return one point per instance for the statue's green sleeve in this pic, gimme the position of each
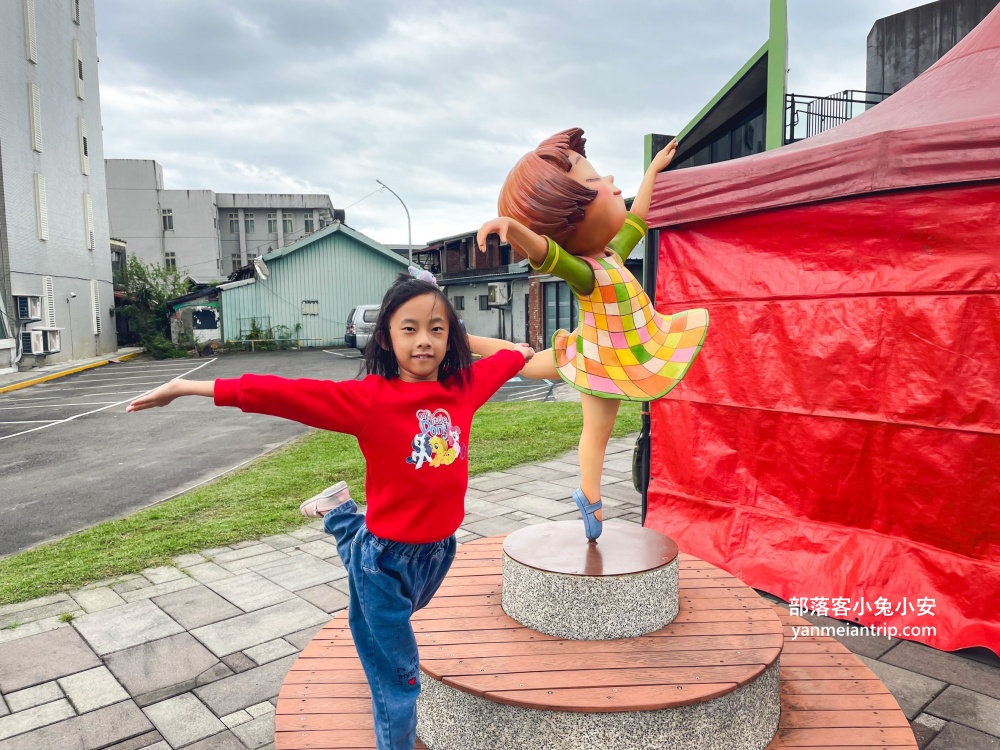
(633, 230)
(575, 271)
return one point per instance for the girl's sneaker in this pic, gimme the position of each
(321, 504)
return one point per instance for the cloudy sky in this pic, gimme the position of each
(436, 99)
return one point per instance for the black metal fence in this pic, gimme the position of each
(807, 116)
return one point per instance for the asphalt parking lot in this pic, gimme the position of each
(70, 457)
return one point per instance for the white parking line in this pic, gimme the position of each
(89, 387)
(32, 421)
(341, 354)
(57, 406)
(34, 402)
(166, 364)
(532, 394)
(93, 411)
(115, 376)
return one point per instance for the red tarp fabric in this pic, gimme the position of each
(839, 435)
(944, 127)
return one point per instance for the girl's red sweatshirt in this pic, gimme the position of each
(414, 436)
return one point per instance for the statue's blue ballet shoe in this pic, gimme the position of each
(591, 526)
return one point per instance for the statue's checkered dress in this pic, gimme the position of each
(623, 348)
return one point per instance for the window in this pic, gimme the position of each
(167, 216)
(170, 260)
(117, 261)
(215, 222)
(248, 222)
(272, 223)
(78, 69)
(35, 115)
(204, 320)
(287, 223)
(84, 146)
(458, 302)
(484, 302)
(75, 10)
(307, 220)
(30, 35)
(370, 316)
(310, 307)
(561, 309)
(234, 223)
(88, 219)
(236, 261)
(41, 208)
(95, 305)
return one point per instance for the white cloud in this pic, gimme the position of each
(436, 99)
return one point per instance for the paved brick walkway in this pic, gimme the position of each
(192, 655)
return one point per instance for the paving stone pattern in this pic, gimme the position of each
(192, 655)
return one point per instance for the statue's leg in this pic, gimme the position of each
(598, 422)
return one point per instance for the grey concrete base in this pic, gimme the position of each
(745, 719)
(589, 608)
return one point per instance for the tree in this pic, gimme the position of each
(147, 288)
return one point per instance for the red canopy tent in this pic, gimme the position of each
(838, 441)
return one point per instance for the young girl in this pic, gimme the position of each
(411, 416)
(571, 222)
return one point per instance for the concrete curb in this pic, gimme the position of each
(70, 371)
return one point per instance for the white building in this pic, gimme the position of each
(206, 234)
(55, 256)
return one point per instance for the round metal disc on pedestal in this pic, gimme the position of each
(561, 547)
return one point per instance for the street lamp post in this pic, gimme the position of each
(409, 235)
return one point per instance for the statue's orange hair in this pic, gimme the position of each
(539, 192)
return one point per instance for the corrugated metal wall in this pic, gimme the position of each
(338, 271)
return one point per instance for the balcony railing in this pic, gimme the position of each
(471, 272)
(807, 116)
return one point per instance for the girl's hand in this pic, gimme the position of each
(527, 351)
(664, 157)
(169, 391)
(158, 397)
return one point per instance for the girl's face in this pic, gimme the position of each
(418, 332)
(605, 215)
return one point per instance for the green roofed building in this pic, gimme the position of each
(747, 115)
(306, 290)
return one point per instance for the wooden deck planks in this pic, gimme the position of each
(829, 699)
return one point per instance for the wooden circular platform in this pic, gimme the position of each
(724, 637)
(622, 549)
(829, 698)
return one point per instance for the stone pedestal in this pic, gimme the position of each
(621, 586)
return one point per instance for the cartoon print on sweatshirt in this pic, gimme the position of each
(438, 443)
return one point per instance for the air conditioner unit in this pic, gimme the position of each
(499, 293)
(28, 308)
(44, 341)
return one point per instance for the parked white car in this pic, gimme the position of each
(360, 326)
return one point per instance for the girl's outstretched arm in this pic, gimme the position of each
(169, 391)
(640, 206)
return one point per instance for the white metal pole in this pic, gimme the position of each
(409, 235)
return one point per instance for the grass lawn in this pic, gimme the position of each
(263, 498)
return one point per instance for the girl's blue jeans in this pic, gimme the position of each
(389, 581)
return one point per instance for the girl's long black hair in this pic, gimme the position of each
(379, 357)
